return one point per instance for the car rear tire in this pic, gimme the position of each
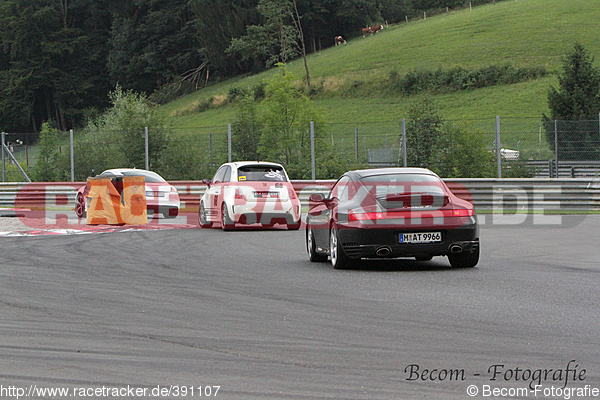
(339, 259)
(202, 219)
(226, 222)
(168, 215)
(465, 259)
(80, 206)
(311, 248)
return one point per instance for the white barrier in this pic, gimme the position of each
(580, 194)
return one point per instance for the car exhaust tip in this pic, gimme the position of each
(456, 248)
(383, 251)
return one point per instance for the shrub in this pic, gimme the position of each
(234, 93)
(259, 90)
(456, 79)
(116, 138)
(205, 105)
(47, 167)
(424, 127)
(516, 169)
(13, 174)
(461, 154)
(182, 161)
(246, 130)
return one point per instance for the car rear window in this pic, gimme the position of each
(149, 176)
(254, 173)
(395, 183)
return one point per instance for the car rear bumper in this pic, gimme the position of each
(169, 210)
(267, 214)
(378, 243)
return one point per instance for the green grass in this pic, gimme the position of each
(351, 80)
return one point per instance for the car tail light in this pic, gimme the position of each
(239, 195)
(367, 216)
(463, 212)
(173, 189)
(379, 215)
(292, 193)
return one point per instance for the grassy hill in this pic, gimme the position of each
(352, 81)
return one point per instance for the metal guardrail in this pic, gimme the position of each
(564, 169)
(576, 194)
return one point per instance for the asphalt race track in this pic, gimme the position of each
(248, 313)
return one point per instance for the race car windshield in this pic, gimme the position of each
(257, 173)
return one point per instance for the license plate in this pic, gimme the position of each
(266, 194)
(421, 237)
(154, 194)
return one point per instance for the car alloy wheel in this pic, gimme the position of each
(311, 248)
(226, 222)
(202, 219)
(339, 259)
(80, 206)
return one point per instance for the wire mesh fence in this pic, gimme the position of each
(529, 147)
(210, 143)
(372, 143)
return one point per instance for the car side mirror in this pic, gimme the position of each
(207, 182)
(331, 203)
(316, 198)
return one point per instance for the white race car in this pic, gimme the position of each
(161, 197)
(249, 192)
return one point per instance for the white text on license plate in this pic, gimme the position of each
(421, 237)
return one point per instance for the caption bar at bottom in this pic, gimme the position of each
(537, 391)
(162, 391)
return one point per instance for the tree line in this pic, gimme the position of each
(59, 59)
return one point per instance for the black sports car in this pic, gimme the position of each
(390, 213)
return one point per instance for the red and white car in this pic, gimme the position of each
(249, 192)
(161, 197)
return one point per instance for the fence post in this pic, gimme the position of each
(72, 158)
(498, 147)
(312, 150)
(404, 141)
(556, 145)
(356, 142)
(3, 159)
(228, 142)
(146, 148)
(210, 148)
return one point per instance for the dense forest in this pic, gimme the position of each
(59, 59)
